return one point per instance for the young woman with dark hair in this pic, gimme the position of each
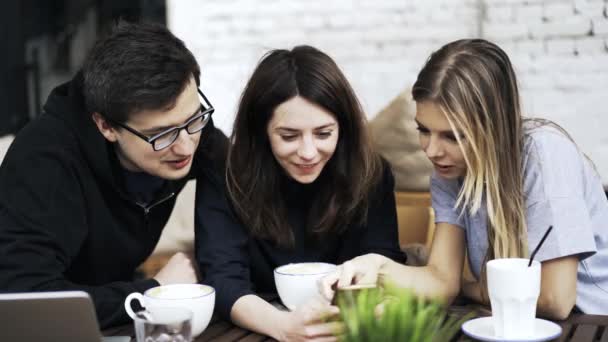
(302, 185)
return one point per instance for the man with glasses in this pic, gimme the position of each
(87, 187)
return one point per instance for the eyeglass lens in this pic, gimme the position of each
(194, 126)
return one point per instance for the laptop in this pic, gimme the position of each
(49, 316)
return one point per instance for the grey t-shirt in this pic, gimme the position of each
(562, 189)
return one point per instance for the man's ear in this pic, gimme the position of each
(104, 127)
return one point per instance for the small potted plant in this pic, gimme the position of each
(394, 314)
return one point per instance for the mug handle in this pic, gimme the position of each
(130, 297)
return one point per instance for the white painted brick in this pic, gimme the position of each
(570, 27)
(347, 36)
(311, 21)
(591, 46)
(415, 18)
(516, 2)
(277, 8)
(432, 33)
(523, 63)
(393, 18)
(578, 82)
(372, 19)
(261, 25)
(571, 64)
(499, 13)
(533, 47)
(589, 8)
(414, 50)
(322, 5)
(529, 13)
(458, 14)
(340, 21)
(444, 33)
(600, 26)
(561, 47)
(390, 34)
(559, 10)
(286, 23)
(509, 47)
(382, 5)
(534, 82)
(502, 31)
(242, 24)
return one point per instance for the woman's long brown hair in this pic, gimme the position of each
(254, 177)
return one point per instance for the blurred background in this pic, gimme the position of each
(559, 48)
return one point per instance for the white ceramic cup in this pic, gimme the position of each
(297, 283)
(200, 299)
(513, 288)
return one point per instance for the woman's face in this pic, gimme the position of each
(438, 141)
(303, 137)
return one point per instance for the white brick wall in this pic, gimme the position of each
(559, 49)
(562, 63)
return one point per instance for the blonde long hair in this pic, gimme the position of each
(474, 84)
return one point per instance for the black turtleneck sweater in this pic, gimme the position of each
(236, 264)
(72, 219)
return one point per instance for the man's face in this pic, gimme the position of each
(137, 155)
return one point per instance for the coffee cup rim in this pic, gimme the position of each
(276, 270)
(147, 294)
(502, 263)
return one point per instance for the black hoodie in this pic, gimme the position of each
(66, 219)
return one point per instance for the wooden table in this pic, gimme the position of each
(577, 328)
(218, 330)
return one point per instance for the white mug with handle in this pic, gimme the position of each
(200, 299)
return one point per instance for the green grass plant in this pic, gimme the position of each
(395, 314)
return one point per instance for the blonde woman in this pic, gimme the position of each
(499, 182)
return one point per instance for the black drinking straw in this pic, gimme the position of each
(539, 244)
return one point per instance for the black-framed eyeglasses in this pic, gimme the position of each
(167, 137)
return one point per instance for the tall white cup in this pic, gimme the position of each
(513, 288)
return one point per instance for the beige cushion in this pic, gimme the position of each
(395, 137)
(178, 234)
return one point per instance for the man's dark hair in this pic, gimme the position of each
(253, 174)
(136, 67)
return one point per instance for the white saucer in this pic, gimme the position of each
(483, 329)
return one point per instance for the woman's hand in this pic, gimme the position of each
(360, 270)
(313, 322)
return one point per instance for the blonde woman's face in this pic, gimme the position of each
(303, 138)
(438, 141)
